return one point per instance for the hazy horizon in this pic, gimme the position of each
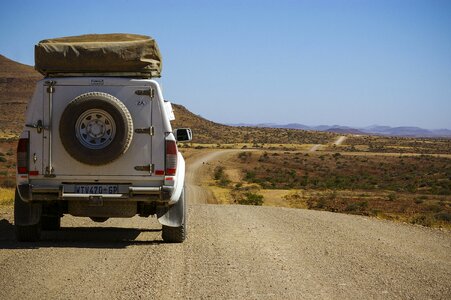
(330, 125)
(350, 63)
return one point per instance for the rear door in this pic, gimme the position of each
(91, 128)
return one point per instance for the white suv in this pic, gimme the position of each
(99, 147)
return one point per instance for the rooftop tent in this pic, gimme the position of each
(99, 55)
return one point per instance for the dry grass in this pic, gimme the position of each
(383, 144)
(282, 198)
(221, 195)
(7, 164)
(6, 196)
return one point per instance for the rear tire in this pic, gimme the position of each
(51, 222)
(176, 234)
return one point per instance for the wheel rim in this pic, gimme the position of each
(95, 129)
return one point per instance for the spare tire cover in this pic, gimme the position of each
(96, 128)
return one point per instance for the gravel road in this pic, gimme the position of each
(233, 252)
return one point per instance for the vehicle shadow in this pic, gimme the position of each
(78, 237)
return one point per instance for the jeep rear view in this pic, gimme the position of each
(98, 141)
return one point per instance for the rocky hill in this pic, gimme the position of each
(17, 83)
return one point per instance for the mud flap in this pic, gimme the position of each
(173, 216)
(24, 191)
(26, 213)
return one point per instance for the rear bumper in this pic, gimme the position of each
(30, 192)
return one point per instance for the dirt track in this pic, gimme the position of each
(233, 252)
(339, 140)
(194, 171)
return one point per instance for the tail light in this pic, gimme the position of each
(171, 157)
(22, 156)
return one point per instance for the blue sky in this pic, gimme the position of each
(354, 63)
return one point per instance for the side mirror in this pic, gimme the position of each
(183, 134)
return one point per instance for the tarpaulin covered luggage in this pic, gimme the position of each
(99, 55)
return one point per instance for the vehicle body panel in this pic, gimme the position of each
(146, 149)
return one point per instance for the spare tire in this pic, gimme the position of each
(96, 128)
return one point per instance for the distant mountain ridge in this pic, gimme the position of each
(401, 131)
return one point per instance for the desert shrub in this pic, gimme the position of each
(219, 172)
(422, 219)
(244, 156)
(224, 181)
(264, 157)
(418, 200)
(321, 203)
(356, 206)
(391, 197)
(443, 216)
(251, 199)
(436, 208)
(249, 176)
(8, 183)
(221, 177)
(336, 155)
(375, 212)
(318, 203)
(332, 195)
(256, 145)
(293, 196)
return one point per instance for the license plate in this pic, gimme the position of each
(97, 189)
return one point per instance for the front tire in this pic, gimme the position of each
(176, 234)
